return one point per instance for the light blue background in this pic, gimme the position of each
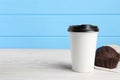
(44, 23)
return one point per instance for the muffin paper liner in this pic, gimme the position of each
(117, 69)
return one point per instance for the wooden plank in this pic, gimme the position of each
(55, 25)
(59, 7)
(48, 42)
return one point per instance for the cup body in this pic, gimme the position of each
(83, 47)
(83, 40)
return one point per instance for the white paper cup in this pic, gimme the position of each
(83, 46)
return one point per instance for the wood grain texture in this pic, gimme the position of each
(44, 23)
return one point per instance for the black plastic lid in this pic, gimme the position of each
(83, 28)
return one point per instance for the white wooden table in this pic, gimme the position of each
(36, 64)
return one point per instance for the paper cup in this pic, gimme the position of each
(83, 40)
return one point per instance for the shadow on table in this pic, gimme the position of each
(62, 66)
(53, 66)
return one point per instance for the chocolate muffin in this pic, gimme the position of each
(106, 57)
